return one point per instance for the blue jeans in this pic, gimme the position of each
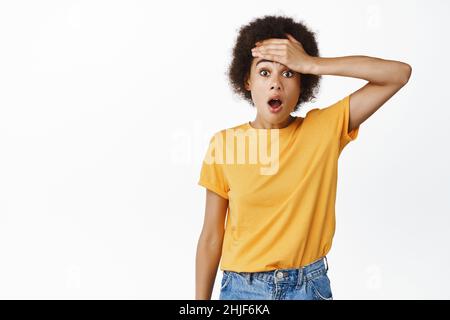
(306, 283)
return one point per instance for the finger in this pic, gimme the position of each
(272, 46)
(268, 52)
(270, 56)
(292, 38)
(272, 41)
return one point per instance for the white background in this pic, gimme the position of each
(106, 108)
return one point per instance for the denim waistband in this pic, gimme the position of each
(296, 275)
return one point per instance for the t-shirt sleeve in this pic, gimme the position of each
(339, 114)
(212, 174)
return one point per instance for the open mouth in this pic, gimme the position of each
(275, 105)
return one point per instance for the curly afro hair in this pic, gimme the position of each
(264, 28)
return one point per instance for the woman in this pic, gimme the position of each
(277, 175)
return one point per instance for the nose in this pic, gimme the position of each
(275, 85)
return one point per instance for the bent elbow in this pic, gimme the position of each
(406, 73)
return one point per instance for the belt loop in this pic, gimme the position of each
(248, 276)
(326, 262)
(300, 277)
(274, 275)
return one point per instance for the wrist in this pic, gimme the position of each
(313, 66)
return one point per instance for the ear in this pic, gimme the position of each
(247, 82)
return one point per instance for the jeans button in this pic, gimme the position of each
(280, 275)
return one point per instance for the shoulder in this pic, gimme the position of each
(331, 109)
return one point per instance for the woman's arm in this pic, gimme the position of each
(372, 69)
(385, 77)
(209, 247)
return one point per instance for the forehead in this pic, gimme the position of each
(265, 62)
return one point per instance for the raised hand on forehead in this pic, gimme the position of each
(289, 52)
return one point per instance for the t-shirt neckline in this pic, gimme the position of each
(283, 130)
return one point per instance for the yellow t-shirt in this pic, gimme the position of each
(281, 188)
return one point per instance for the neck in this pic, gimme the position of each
(261, 124)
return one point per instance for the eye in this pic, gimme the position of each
(262, 70)
(292, 74)
(289, 72)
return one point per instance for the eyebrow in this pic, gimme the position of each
(265, 60)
